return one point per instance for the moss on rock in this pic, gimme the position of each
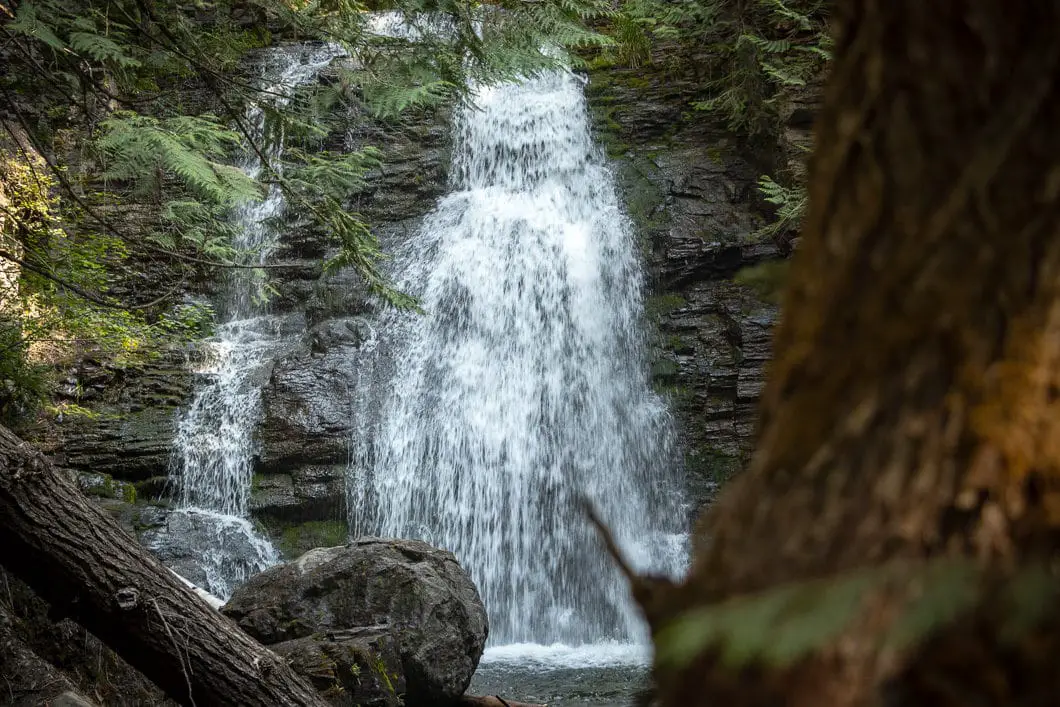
(707, 466)
(658, 306)
(298, 539)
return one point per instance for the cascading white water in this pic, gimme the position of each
(214, 447)
(523, 385)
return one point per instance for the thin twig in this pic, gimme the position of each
(608, 538)
(184, 667)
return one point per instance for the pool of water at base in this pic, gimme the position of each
(601, 675)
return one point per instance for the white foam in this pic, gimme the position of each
(535, 656)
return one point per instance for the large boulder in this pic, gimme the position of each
(417, 593)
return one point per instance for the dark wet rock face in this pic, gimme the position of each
(306, 427)
(313, 491)
(306, 405)
(407, 590)
(689, 189)
(233, 549)
(124, 449)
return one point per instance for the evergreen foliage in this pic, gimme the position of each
(753, 55)
(769, 48)
(139, 150)
(790, 203)
(753, 50)
(112, 104)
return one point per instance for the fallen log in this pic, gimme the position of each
(492, 701)
(79, 559)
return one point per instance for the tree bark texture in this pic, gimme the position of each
(86, 566)
(913, 408)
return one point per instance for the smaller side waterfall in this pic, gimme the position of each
(213, 452)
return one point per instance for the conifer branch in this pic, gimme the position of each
(108, 226)
(80, 291)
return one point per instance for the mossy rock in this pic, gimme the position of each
(707, 470)
(767, 280)
(643, 199)
(154, 489)
(361, 669)
(659, 306)
(664, 372)
(679, 345)
(678, 395)
(298, 539)
(106, 486)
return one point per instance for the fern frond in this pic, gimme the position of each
(334, 174)
(28, 23)
(780, 10)
(768, 46)
(791, 203)
(781, 75)
(389, 99)
(137, 148)
(102, 49)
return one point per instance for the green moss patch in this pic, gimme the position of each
(711, 466)
(659, 306)
(298, 539)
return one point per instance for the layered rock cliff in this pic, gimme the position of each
(688, 188)
(122, 449)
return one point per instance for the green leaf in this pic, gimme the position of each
(101, 48)
(27, 23)
(778, 626)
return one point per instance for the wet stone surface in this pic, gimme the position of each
(560, 676)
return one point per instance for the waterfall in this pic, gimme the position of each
(523, 385)
(212, 463)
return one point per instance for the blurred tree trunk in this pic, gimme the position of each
(913, 409)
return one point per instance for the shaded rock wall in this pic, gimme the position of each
(689, 189)
(130, 430)
(305, 433)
